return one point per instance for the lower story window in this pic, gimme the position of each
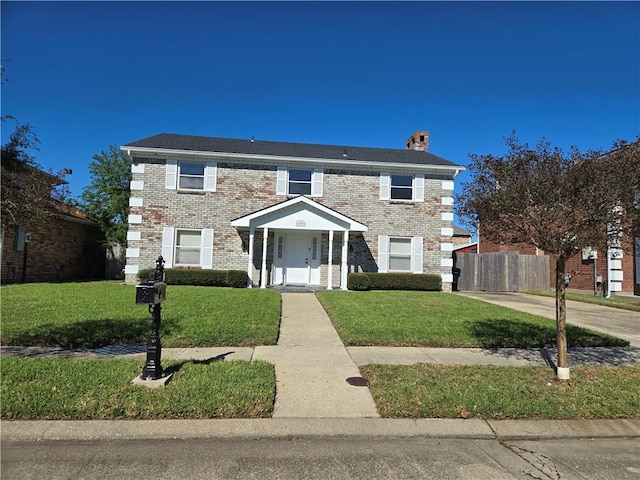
(399, 254)
(188, 244)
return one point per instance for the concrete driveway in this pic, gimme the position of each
(620, 323)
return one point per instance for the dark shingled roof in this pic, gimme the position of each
(173, 141)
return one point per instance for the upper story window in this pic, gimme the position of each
(402, 187)
(191, 175)
(300, 182)
(293, 181)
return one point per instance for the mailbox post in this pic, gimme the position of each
(152, 293)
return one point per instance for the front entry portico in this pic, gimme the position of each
(298, 226)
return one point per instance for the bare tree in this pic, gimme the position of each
(557, 202)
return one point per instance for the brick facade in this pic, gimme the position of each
(61, 249)
(243, 188)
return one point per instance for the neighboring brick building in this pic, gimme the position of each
(599, 270)
(290, 213)
(63, 246)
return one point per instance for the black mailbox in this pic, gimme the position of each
(151, 293)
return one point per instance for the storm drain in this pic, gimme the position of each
(358, 381)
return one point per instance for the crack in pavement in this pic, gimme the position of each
(540, 462)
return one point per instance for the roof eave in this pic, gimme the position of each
(164, 152)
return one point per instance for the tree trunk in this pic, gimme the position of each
(561, 320)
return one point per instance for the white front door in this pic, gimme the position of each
(301, 258)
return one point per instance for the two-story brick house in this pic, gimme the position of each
(290, 213)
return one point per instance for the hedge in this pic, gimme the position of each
(394, 281)
(207, 278)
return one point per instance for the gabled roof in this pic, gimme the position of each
(294, 206)
(174, 142)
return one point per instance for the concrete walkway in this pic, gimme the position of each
(312, 366)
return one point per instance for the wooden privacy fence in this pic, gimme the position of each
(501, 272)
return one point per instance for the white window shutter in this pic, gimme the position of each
(416, 257)
(171, 177)
(206, 250)
(385, 186)
(316, 182)
(281, 181)
(383, 253)
(210, 176)
(418, 188)
(167, 246)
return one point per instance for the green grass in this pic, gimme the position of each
(436, 319)
(49, 388)
(624, 303)
(489, 392)
(94, 314)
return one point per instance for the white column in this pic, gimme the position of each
(263, 274)
(252, 232)
(343, 267)
(330, 263)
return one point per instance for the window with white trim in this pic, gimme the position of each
(402, 187)
(296, 181)
(191, 176)
(300, 182)
(400, 254)
(188, 247)
(188, 175)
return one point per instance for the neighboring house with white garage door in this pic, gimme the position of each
(289, 213)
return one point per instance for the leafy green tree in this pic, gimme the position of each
(557, 202)
(27, 191)
(106, 199)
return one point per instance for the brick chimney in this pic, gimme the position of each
(418, 141)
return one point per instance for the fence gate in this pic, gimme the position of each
(501, 272)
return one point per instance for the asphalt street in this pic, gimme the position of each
(324, 458)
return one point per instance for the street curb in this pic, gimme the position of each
(93, 430)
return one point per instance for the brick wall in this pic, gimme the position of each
(243, 189)
(60, 250)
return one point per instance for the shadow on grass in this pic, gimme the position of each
(578, 356)
(89, 334)
(175, 368)
(505, 333)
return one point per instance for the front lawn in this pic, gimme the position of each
(489, 392)
(51, 388)
(95, 314)
(436, 319)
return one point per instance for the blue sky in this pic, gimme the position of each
(89, 75)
